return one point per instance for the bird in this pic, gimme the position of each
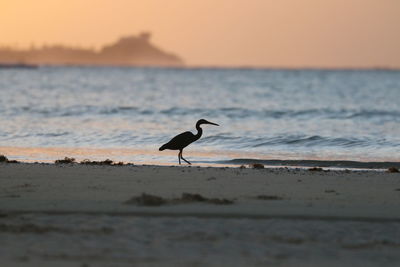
(182, 140)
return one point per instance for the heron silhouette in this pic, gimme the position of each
(182, 140)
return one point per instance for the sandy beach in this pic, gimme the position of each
(74, 188)
(72, 214)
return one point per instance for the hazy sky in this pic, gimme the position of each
(329, 33)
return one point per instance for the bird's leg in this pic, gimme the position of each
(179, 157)
(185, 159)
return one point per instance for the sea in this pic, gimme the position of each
(277, 117)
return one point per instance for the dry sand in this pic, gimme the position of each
(285, 217)
(104, 189)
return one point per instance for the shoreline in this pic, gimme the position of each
(198, 158)
(340, 166)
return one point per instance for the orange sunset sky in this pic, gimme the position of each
(277, 33)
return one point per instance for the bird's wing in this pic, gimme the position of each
(180, 141)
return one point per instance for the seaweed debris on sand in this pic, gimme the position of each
(392, 170)
(152, 200)
(108, 162)
(268, 197)
(4, 159)
(90, 162)
(257, 166)
(316, 169)
(66, 160)
(147, 200)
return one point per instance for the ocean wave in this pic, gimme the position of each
(314, 140)
(52, 134)
(306, 113)
(296, 141)
(227, 112)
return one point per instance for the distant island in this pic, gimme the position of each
(127, 51)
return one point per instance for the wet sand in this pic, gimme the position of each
(71, 214)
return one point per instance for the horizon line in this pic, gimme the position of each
(208, 66)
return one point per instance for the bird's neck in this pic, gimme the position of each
(199, 131)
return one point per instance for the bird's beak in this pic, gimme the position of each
(212, 123)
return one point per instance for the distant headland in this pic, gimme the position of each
(134, 50)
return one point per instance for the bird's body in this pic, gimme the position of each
(182, 140)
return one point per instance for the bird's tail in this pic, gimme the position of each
(162, 147)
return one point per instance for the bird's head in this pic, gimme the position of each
(203, 121)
